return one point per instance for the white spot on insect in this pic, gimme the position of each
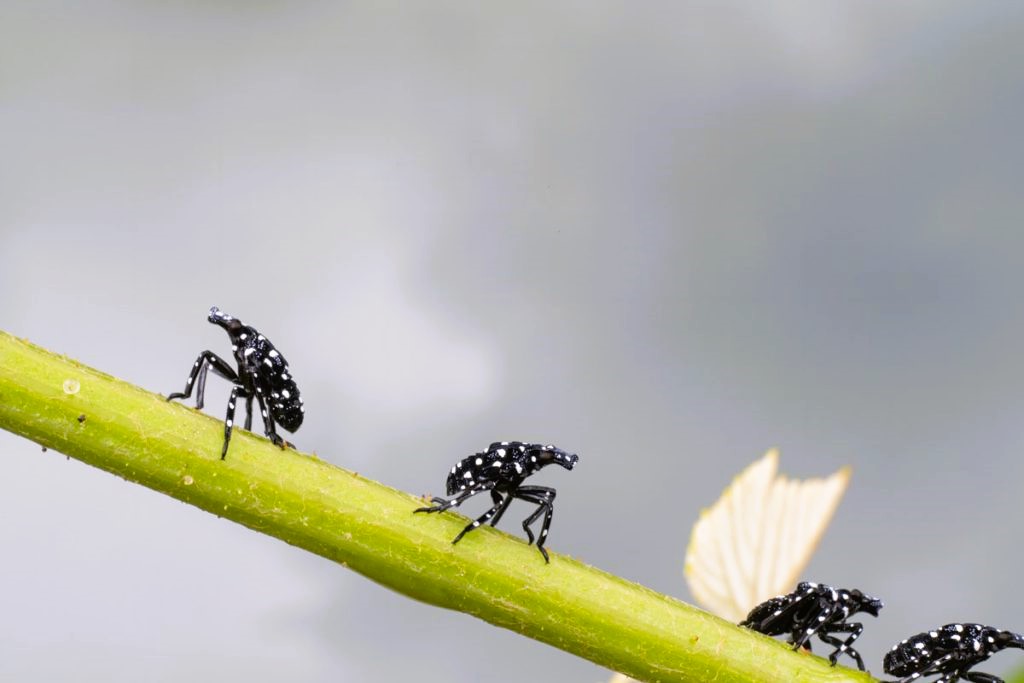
(533, 458)
(284, 376)
(955, 637)
(453, 470)
(234, 347)
(243, 336)
(479, 461)
(286, 393)
(476, 523)
(248, 352)
(276, 395)
(261, 337)
(543, 532)
(977, 645)
(467, 475)
(519, 468)
(496, 463)
(933, 634)
(919, 646)
(273, 353)
(500, 452)
(266, 361)
(71, 387)
(264, 413)
(229, 423)
(821, 617)
(459, 465)
(959, 628)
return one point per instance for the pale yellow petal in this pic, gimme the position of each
(755, 542)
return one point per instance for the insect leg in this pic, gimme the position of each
(530, 496)
(544, 498)
(440, 504)
(229, 419)
(826, 635)
(504, 502)
(809, 626)
(201, 385)
(482, 519)
(248, 413)
(549, 511)
(268, 421)
(199, 372)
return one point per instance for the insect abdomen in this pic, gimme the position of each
(764, 611)
(289, 414)
(280, 390)
(904, 659)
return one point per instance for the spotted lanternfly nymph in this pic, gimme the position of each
(950, 651)
(815, 609)
(262, 374)
(501, 469)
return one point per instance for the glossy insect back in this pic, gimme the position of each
(271, 377)
(262, 374)
(950, 652)
(501, 469)
(815, 609)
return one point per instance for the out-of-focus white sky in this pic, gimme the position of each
(664, 236)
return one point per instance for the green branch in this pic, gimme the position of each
(370, 528)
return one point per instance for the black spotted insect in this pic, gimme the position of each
(949, 651)
(815, 609)
(262, 374)
(501, 469)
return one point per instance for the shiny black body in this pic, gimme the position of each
(501, 469)
(262, 374)
(949, 651)
(815, 609)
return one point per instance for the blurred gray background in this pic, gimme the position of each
(666, 237)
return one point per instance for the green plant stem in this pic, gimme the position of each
(370, 528)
